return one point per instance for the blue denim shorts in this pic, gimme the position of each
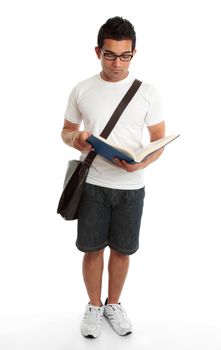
(109, 217)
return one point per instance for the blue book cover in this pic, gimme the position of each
(106, 150)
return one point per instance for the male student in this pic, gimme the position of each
(111, 206)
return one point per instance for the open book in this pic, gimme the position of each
(110, 151)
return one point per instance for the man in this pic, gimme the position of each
(111, 205)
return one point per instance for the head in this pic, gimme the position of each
(115, 48)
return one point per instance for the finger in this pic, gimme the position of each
(81, 146)
(84, 136)
(117, 162)
(86, 145)
(83, 141)
(129, 167)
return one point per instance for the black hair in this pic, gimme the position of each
(116, 28)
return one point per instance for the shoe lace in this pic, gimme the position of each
(119, 313)
(93, 316)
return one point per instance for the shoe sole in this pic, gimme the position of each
(89, 336)
(128, 333)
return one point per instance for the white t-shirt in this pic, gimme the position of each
(93, 101)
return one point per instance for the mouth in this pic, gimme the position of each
(116, 71)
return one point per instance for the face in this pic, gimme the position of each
(116, 70)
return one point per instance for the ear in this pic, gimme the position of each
(134, 51)
(98, 52)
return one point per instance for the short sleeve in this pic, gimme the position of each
(72, 112)
(154, 114)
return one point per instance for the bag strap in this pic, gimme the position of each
(115, 117)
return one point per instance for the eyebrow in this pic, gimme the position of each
(106, 50)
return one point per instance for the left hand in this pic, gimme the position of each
(138, 166)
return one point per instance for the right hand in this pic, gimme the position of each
(79, 141)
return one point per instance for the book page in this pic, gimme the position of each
(152, 147)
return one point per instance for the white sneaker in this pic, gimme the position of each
(117, 316)
(91, 324)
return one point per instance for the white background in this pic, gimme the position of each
(46, 48)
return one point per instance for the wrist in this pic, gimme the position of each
(73, 137)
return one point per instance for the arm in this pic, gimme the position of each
(156, 132)
(73, 137)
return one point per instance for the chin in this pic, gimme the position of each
(117, 75)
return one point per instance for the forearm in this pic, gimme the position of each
(76, 139)
(68, 136)
(152, 157)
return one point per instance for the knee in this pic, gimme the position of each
(119, 255)
(94, 255)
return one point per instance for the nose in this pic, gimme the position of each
(117, 62)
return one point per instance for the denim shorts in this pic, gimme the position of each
(109, 217)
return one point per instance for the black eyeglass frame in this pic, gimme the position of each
(115, 56)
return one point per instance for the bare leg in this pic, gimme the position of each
(118, 268)
(92, 273)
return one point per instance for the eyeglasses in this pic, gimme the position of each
(110, 56)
